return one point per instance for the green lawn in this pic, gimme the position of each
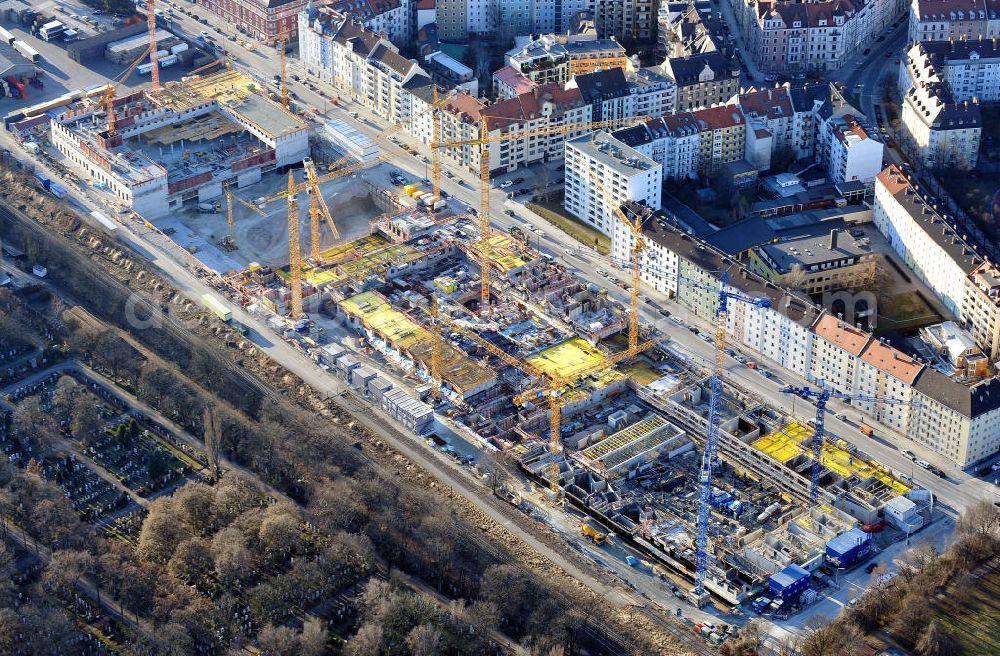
(557, 216)
(905, 312)
(976, 622)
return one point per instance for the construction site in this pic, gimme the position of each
(483, 334)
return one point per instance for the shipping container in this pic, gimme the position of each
(7, 37)
(144, 69)
(849, 548)
(789, 583)
(27, 51)
(44, 179)
(180, 47)
(104, 222)
(217, 307)
(168, 61)
(57, 190)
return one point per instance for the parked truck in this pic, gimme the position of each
(209, 208)
(217, 307)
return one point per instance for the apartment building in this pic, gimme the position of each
(652, 94)
(722, 132)
(547, 106)
(955, 417)
(926, 240)
(849, 151)
(509, 82)
(557, 58)
(790, 37)
(452, 17)
(393, 18)
(944, 20)
(268, 20)
(367, 66)
(673, 141)
(981, 308)
(599, 160)
(628, 21)
(702, 80)
(681, 31)
(607, 92)
(970, 68)
(815, 262)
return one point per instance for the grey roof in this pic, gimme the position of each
(685, 70)
(602, 85)
(422, 87)
(938, 229)
(970, 402)
(604, 148)
(102, 39)
(742, 236)
(814, 247)
(939, 52)
(13, 63)
(797, 308)
(804, 98)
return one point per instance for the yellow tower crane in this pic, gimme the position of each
(483, 141)
(294, 255)
(284, 83)
(109, 97)
(151, 24)
(638, 244)
(553, 392)
(230, 242)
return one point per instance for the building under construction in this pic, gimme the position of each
(180, 144)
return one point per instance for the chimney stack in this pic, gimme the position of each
(833, 238)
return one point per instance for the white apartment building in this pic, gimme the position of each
(885, 372)
(599, 160)
(836, 353)
(393, 18)
(928, 243)
(961, 423)
(850, 152)
(652, 94)
(672, 140)
(943, 20)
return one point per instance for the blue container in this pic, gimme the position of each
(849, 548)
(44, 179)
(789, 583)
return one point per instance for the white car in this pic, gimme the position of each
(505, 184)
(529, 227)
(922, 463)
(909, 454)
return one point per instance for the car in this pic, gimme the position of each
(518, 180)
(510, 213)
(426, 181)
(603, 273)
(841, 416)
(937, 471)
(922, 463)
(204, 34)
(995, 466)
(870, 567)
(826, 570)
(765, 373)
(909, 454)
(530, 227)
(881, 37)
(664, 312)
(505, 184)
(868, 51)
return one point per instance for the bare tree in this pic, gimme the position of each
(366, 642)
(937, 641)
(213, 438)
(979, 519)
(312, 641)
(423, 640)
(278, 641)
(493, 466)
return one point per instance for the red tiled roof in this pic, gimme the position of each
(893, 179)
(887, 359)
(717, 118)
(844, 335)
(515, 79)
(425, 4)
(770, 103)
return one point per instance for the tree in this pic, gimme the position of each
(493, 466)
(423, 640)
(280, 532)
(195, 504)
(913, 616)
(85, 419)
(937, 641)
(980, 519)
(212, 437)
(278, 641)
(233, 561)
(191, 561)
(65, 569)
(161, 532)
(312, 641)
(366, 642)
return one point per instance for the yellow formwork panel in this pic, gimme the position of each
(501, 250)
(641, 372)
(567, 359)
(376, 314)
(793, 440)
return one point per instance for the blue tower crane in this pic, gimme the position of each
(822, 397)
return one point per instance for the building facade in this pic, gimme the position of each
(599, 160)
(702, 80)
(267, 20)
(953, 20)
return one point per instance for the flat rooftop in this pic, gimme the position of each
(402, 333)
(815, 248)
(235, 92)
(613, 153)
(567, 359)
(794, 440)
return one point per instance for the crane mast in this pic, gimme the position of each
(294, 255)
(153, 59)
